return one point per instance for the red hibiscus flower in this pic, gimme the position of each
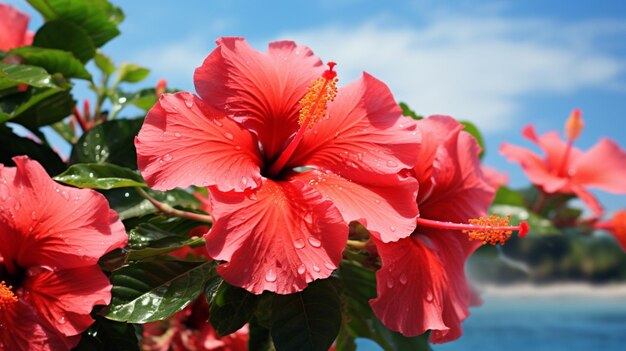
(13, 24)
(617, 226)
(188, 330)
(52, 237)
(288, 160)
(422, 285)
(566, 169)
(494, 177)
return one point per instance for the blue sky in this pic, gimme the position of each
(501, 64)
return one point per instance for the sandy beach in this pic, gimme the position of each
(556, 290)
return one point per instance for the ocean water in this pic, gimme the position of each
(540, 324)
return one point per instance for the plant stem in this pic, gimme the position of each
(355, 244)
(173, 212)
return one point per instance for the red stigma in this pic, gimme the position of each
(329, 74)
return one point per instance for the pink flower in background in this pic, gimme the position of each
(52, 238)
(13, 25)
(617, 226)
(494, 177)
(421, 285)
(566, 169)
(188, 330)
(288, 160)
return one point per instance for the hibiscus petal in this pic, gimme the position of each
(13, 24)
(434, 131)
(534, 167)
(364, 136)
(66, 227)
(611, 159)
(26, 332)
(65, 298)
(260, 90)
(588, 199)
(459, 191)
(452, 186)
(388, 210)
(553, 147)
(184, 142)
(278, 237)
(421, 285)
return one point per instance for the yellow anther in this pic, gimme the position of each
(7, 297)
(315, 102)
(492, 230)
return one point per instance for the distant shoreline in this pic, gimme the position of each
(556, 290)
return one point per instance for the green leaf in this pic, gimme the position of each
(144, 99)
(259, 337)
(508, 196)
(473, 130)
(67, 36)
(359, 287)
(148, 291)
(159, 231)
(108, 335)
(128, 203)
(14, 75)
(308, 320)
(231, 308)
(110, 142)
(100, 176)
(54, 61)
(406, 111)
(36, 107)
(12, 145)
(142, 254)
(98, 18)
(132, 73)
(104, 63)
(65, 130)
(537, 224)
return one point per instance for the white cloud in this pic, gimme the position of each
(477, 68)
(471, 68)
(176, 61)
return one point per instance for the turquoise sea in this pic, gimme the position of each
(541, 324)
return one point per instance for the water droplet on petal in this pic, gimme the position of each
(229, 136)
(391, 164)
(33, 215)
(315, 242)
(403, 279)
(244, 181)
(392, 228)
(61, 320)
(316, 268)
(298, 243)
(189, 103)
(167, 157)
(217, 122)
(377, 201)
(237, 147)
(429, 296)
(177, 134)
(270, 276)
(301, 269)
(17, 205)
(330, 266)
(390, 283)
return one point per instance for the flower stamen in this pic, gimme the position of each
(490, 230)
(322, 91)
(7, 297)
(573, 127)
(314, 105)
